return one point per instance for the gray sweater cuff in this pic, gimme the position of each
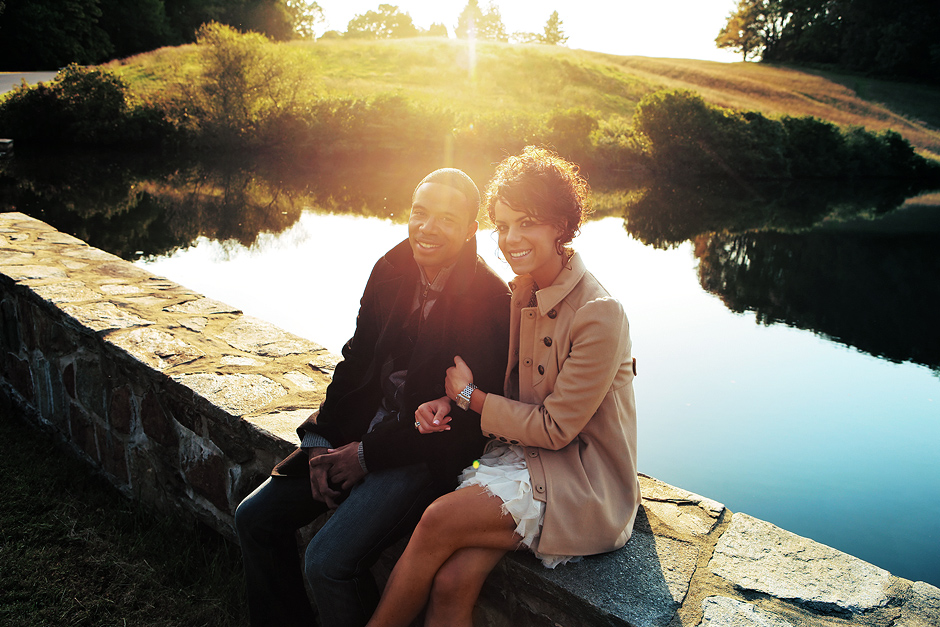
(362, 460)
(314, 440)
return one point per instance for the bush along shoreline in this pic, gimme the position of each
(251, 99)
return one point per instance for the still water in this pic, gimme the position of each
(816, 437)
(786, 333)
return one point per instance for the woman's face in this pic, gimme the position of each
(527, 244)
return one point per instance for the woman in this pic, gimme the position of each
(559, 476)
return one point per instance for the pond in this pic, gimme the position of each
(786, 335)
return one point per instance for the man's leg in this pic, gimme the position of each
(382, 509)
(266, 522)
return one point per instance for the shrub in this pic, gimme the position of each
(244, 91)
(84, 106)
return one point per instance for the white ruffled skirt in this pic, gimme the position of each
(502, 472)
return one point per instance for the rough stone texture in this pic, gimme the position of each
(725, 612)
(237, 394)
(922, 608)
(683, 511)
(186, 404)
(642, 584)
(756, 555)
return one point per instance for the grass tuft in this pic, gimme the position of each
(74, 551)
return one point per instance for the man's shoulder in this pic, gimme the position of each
(487, 279)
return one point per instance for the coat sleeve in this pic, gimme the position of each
(600, 347)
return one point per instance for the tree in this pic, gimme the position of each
(48, 34)
(306, 16)
(473, 23)
(755, 27)
(553, 34)
(386, 23)
(740, 32)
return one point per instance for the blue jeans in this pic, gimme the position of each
(383, 508)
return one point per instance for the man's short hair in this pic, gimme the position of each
(456, 179)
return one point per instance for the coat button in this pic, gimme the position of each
(541, 369)
(552, 314)
(533, 453)
(527, 362)
(531, 314)
(540, 488)
(547, 340)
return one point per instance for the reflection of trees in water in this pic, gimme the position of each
(668, 213)
(768, 247)
(135, 206)
(877, 293)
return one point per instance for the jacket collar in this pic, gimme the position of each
(549, 297)
(402, 259)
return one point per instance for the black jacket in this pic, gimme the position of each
(470, 319)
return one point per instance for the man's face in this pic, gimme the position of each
(438, 227)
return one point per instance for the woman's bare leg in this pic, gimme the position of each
(469, 517)
(457, 586)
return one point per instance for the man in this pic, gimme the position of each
(428, 299)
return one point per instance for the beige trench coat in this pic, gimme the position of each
(576, 414)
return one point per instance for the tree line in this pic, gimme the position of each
(50, 34)
(881, 37)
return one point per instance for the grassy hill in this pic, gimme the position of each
(490, 78)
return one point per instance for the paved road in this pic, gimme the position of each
(9, 80)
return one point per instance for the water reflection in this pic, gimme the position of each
(774, 248)
(876, 292)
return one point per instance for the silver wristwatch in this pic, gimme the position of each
(463, 399)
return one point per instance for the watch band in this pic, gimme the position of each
(463, 399)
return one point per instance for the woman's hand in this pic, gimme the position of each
(458, 377)
(432, 416)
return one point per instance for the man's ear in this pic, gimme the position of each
(472, 229)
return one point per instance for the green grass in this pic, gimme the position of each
(73, 551)
(497, 78)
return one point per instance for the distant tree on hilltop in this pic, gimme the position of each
(553, 33)
(473, 22)
(386, 23)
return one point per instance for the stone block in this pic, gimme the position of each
(756, 555)
(18, 373)
(9, 328)
(154, 348)
(258, 337)
(113, 455)
(120, 409)
(237, 394)
(922, 608)
(68, 380)
(91, 386)
(156, 424)
(725, 612)
(82, 433)
(207, 473)
(642, 584)
(51, 398)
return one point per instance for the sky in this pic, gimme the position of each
(651, 28)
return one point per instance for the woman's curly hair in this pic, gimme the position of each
(542, 184)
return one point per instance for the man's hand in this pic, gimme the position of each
(343, 465)
(433, 415)
(458, 377)
(319, 478)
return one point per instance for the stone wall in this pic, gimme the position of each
(185, 403)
